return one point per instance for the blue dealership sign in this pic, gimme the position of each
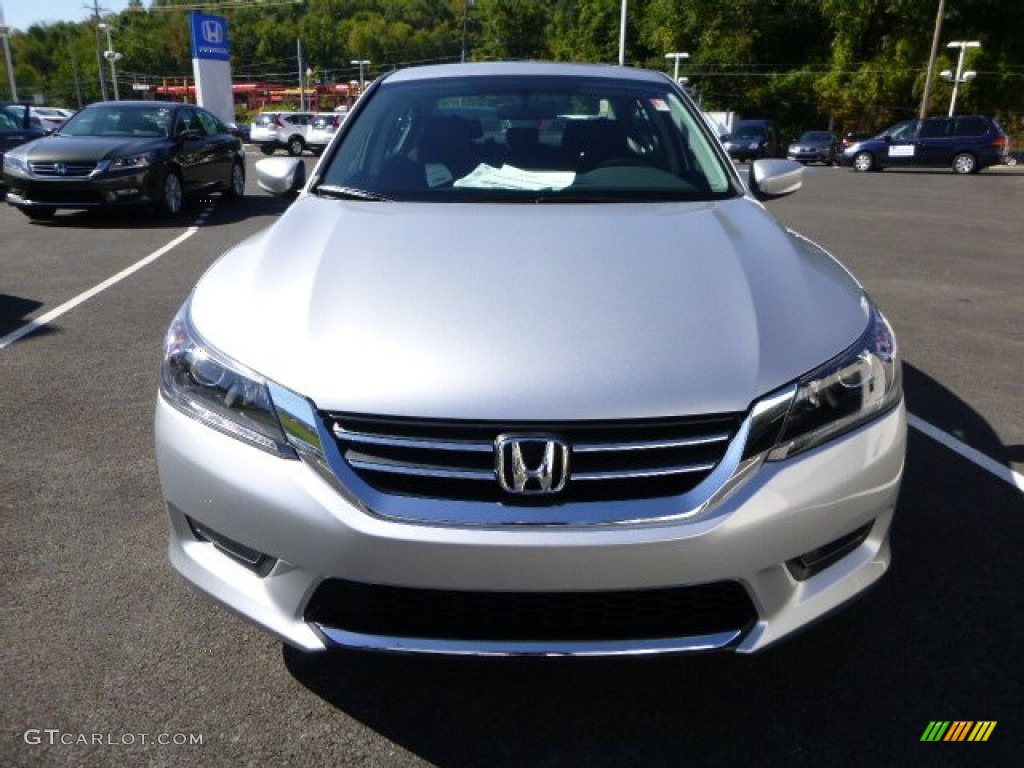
(210, 37)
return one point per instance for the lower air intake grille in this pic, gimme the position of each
(608, 461)
(531, 616)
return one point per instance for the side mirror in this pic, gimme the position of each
(774, 178)
(281, 176)
(190, 134)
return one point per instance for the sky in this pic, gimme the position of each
(21, 14)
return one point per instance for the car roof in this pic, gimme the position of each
(524, 69)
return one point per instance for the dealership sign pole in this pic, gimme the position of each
(211, 64)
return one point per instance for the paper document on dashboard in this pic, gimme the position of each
(509, 177)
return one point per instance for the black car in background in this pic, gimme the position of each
(965, 143)
(815, 147)
(17, 126)
(754, 139)
(122, 153)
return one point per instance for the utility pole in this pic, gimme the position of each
(622, 35)
(302, 93)
(99, 46)
(929, 77)
(74, 69)
(5, 34)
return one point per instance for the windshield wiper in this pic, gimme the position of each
(348, 193)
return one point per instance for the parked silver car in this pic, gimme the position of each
(546, 392)
(322, 129)
(271, 131)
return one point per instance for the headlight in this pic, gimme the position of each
(16, 166)
(211, 388)
(143, 160)
(853, 388)
(755, 145)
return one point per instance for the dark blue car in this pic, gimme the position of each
(965, 143)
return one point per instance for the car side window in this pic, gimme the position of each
(188, 121)
(211, 126)
(905, 130)
(970, 126)
(932, 129)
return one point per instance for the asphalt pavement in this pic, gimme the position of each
(110, 660)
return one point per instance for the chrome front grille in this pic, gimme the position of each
(62, 170)
(608, 461)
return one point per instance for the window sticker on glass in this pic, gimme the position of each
(659, 105)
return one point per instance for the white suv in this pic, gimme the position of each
(281, 130)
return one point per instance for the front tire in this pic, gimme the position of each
(266, 149)
(864, 162)
(39, 214)
(295, 146)
(965, 163)
(235, 189)
(170, 201)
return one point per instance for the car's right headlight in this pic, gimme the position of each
(205, 384)
(15, 166)
(859, 385)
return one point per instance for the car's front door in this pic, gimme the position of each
(193, 154)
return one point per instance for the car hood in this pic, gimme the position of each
(85, 149)
(529, 312)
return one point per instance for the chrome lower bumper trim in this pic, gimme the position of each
(344, 639)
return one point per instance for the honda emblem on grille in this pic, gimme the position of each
(60, 169)
(531, 464)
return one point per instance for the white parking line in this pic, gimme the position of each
(37, 323)
(972, 455)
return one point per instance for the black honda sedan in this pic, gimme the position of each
(125, 153)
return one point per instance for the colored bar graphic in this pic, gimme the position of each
(958, 730)
(982, 730)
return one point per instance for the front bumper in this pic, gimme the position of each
(297, 534)
(132, 188)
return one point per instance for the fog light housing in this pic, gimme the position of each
(814, 562)
(257, 562)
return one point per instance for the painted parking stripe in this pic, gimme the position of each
(971, 454)
(37, 323)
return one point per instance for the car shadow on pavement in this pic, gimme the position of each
(14, 312)
(936, 638)
(929, 400)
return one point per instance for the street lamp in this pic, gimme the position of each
(677, 57)
(961, 76)
(362, 63)
(112, 56)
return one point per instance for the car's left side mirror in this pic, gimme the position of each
(774, 178)
(190, 134)
(282, 176)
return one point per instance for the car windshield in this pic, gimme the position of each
(750, 132)
(817, 136)
(500, 138)
(120, 120)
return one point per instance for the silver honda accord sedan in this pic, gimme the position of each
(527, 368)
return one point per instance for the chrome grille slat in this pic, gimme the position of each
(417, 471)
(649, 446)
(456, 461)
(637, 474)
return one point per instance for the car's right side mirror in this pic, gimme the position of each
(774, 178)
(281, 176)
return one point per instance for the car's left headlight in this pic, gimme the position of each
(205, 384)
(859, 385)
(755, 145)
(141, 160)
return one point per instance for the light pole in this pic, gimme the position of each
(362, 63)
(467, 4)
(677, 57)
(4, 33)
(622, 35)
(112, 56)
(961, 76)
